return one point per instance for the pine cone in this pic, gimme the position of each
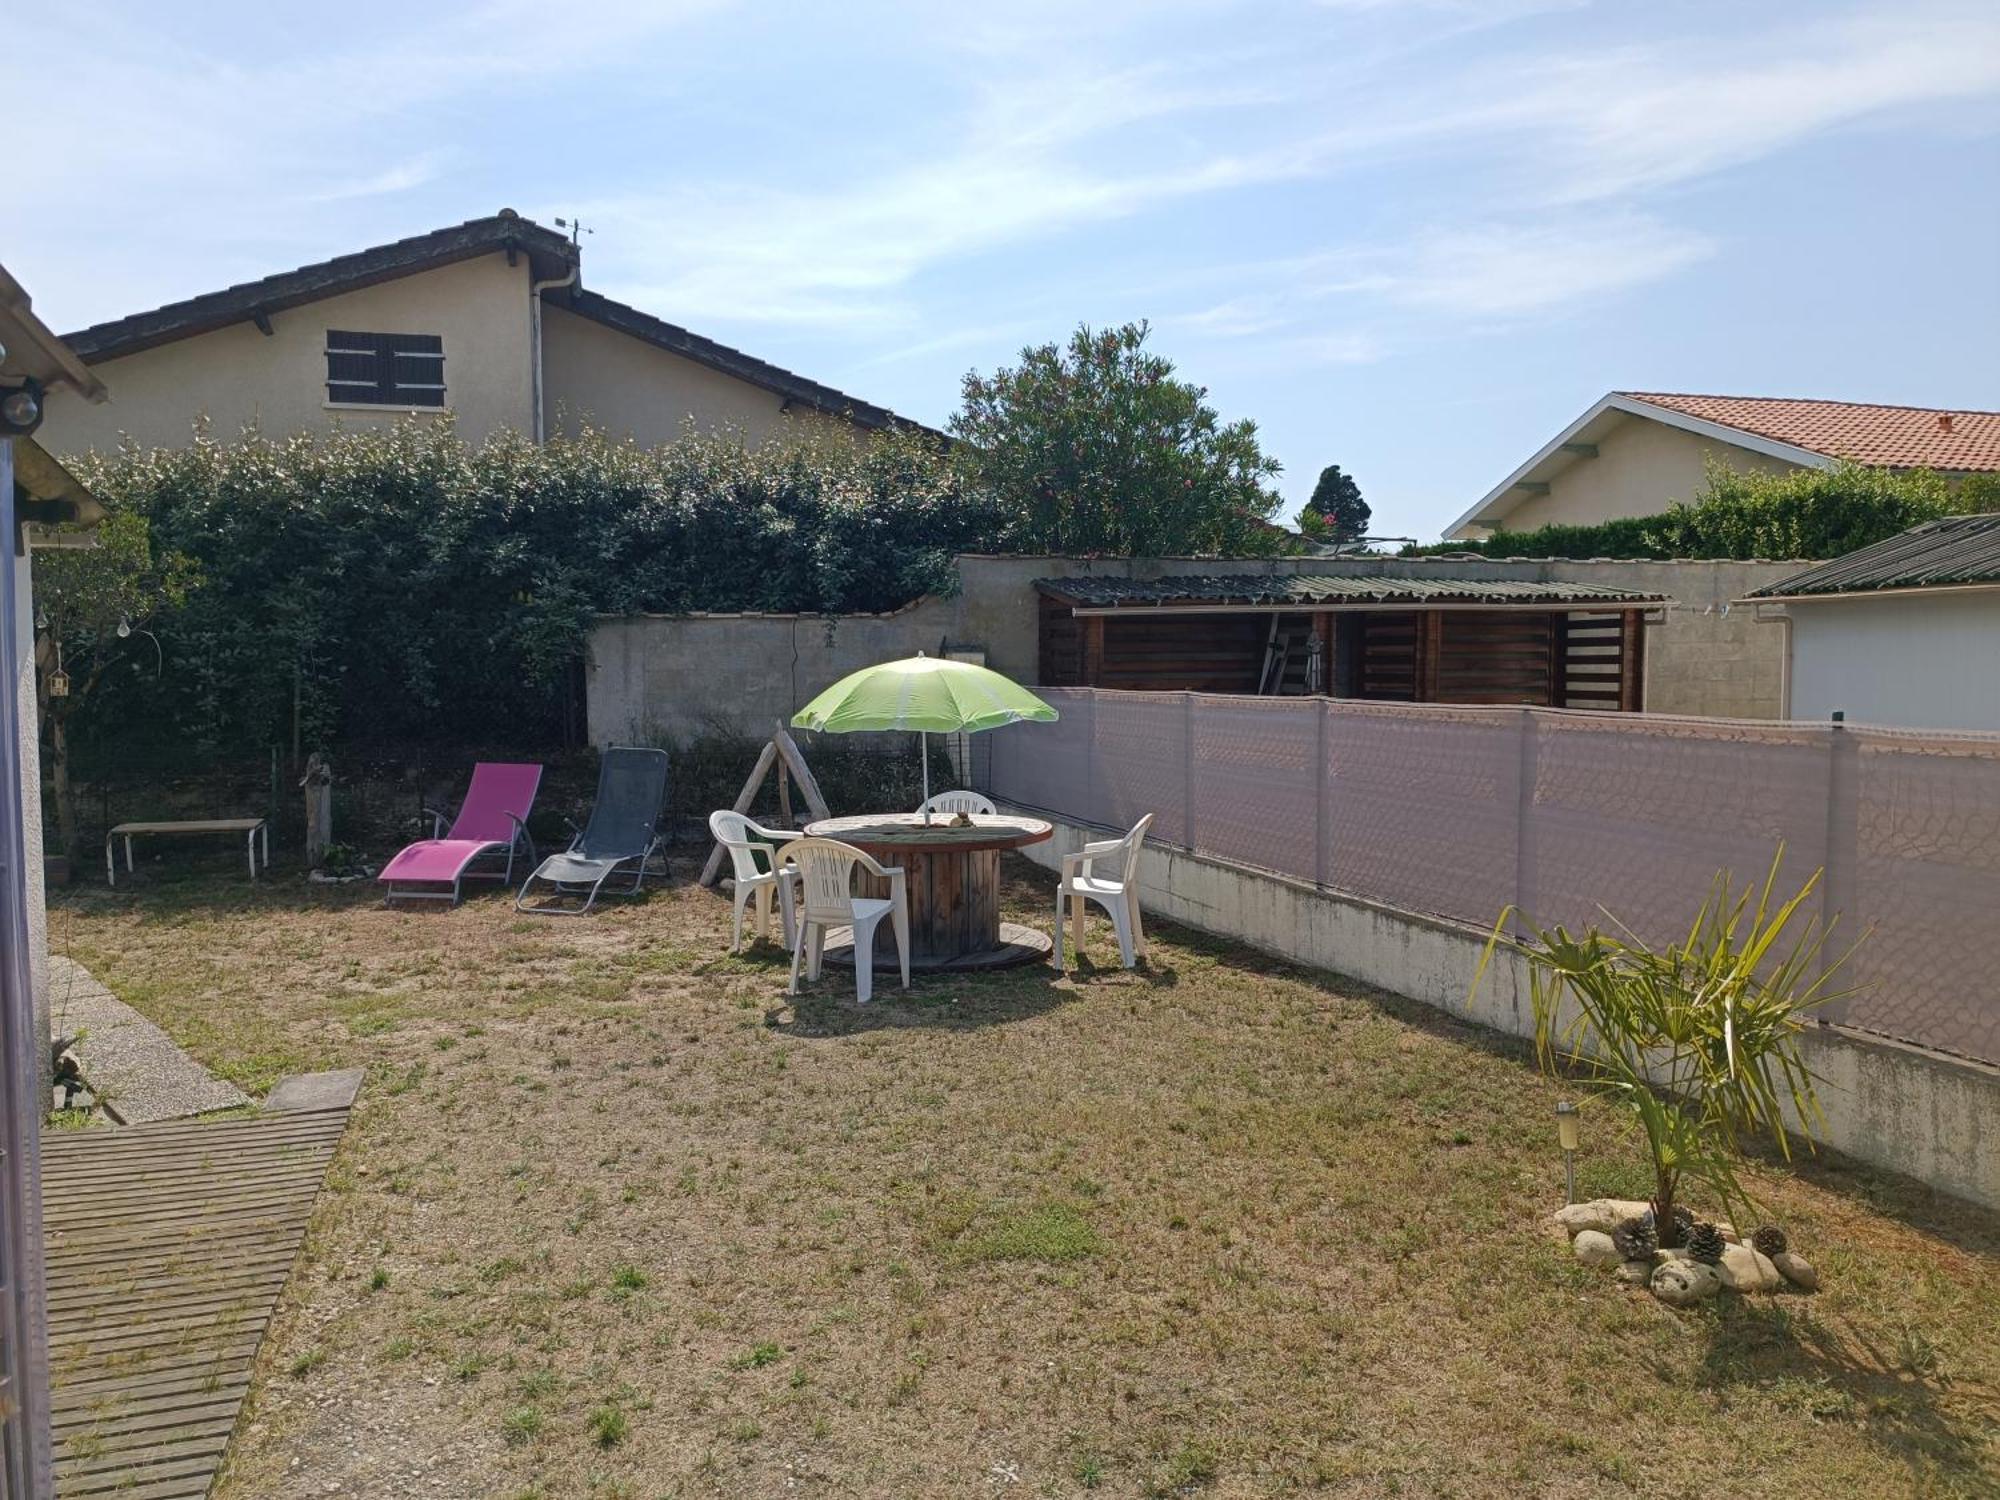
(1683, 1221)
(1770, 1240)
(1635, 1239)
(1704, 1243)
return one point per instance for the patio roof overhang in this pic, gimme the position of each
(1201, 594)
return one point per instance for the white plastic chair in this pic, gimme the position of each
(745, 840)
(960, 802)
(826, 879)
(1119, 895)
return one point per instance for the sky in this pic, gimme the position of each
(1412, 237)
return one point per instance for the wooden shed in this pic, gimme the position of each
(1409, 640)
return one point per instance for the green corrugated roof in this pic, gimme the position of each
(1305, 589)
(1937, 554)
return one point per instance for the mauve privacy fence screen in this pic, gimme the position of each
(1460, 812)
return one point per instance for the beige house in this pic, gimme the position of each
(1635, 453)
(487, 320)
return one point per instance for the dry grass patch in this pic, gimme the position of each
(616, 1218)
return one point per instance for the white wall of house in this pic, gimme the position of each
(597, 376)
(1925, 660)
(1641, 468)
(29, 719)
(238, 377)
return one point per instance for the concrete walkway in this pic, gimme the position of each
(134, 1070)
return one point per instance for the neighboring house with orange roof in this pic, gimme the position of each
(488, 320)
(1634, 453)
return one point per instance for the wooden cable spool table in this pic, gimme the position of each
(952, 873)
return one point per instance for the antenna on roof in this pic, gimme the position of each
(576, 229)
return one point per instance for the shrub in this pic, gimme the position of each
(1698, 1040)
(1805, 513)
(393, 584)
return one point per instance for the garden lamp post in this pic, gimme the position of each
(1566, 1137)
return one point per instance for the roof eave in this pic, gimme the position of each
(32, 349)
(1497, 503)
(547, 253)
(794, 389)
(1903, 590)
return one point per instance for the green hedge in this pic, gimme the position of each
(1806, 513)
(402, 585)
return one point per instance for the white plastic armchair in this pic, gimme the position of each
(745, 840)
(1117, 891)
(959, 802)
(826, 881)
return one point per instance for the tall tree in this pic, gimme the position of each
(92, 605)
(1095, 447)
(1337, 507)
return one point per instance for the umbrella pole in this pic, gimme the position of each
(924, 754)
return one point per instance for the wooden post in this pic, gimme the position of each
(318, 784)
(782, 751)
(1428, 639)
(1632, 661)
(784, 793)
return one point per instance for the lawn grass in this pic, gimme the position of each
(614, 1218)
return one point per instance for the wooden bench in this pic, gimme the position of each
(251, 829)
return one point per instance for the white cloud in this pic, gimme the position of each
(1509, 271)
(400, 178)
(1625, 121)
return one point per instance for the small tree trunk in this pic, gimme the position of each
(1663, 1214)
(66, 819)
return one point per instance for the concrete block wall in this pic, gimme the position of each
(1924, 1114)
(659, 676)
(1707, 656)
(679, 675)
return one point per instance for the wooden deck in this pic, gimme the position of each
(168, 1245)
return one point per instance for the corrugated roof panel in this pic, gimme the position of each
(1306, 589)
(1955, 551)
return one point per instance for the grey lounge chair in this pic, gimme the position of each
(623, 830)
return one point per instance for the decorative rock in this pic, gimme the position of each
(1746, 1270)
(1600, 1214)
(1796, 1269)
(1634, 1273)
(1594, 1248)
(1682, 1283)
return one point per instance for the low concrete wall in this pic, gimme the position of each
(1929, 1116)
(654, 676)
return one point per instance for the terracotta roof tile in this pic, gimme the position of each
(1897, 437)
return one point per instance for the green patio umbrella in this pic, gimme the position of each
(930, 694)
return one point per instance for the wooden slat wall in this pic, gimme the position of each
(1061, 644)
(1219, 653)
(1501, 656)
(1593, 661)
(1387, 654)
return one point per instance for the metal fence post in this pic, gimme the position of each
(1187, 770)
(1319, 791)
(1843, 832)
(1090, 814)
(1525, 873)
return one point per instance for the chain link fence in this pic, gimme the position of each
(1461, 812)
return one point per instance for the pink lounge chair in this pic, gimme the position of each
(492, 820)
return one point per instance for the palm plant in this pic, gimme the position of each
(1698, 1040)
